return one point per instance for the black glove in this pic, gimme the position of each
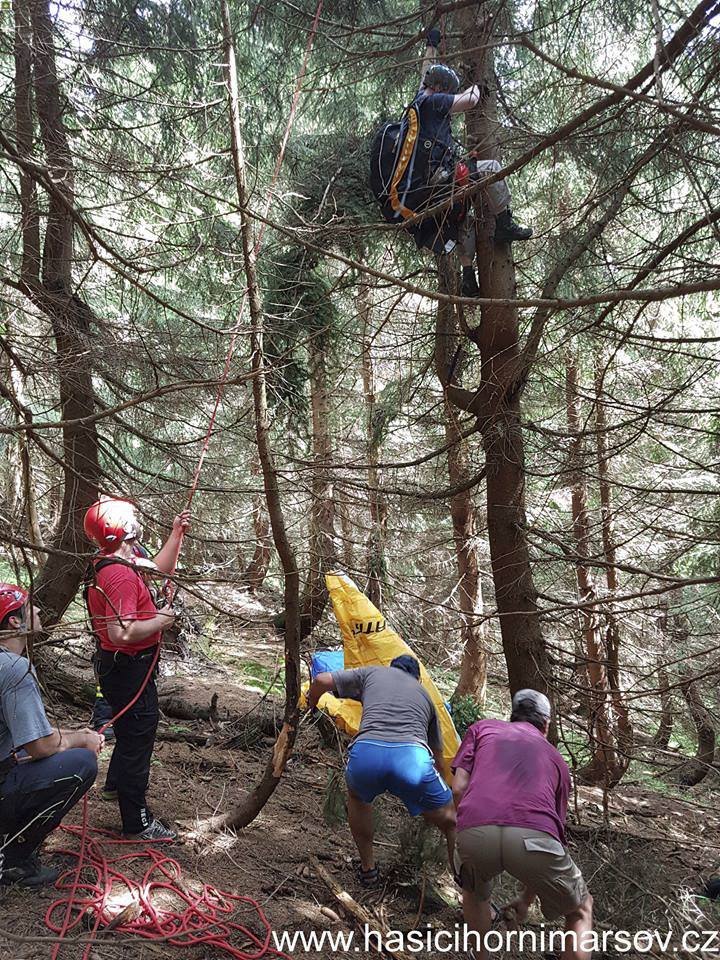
(433, 37)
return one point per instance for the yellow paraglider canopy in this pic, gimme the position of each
(368, 641)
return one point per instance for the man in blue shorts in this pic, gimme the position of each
(397, 750)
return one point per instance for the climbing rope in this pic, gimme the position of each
(204, 917)
(100, 896)
(258, 245)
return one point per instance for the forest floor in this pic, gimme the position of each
(645, 867)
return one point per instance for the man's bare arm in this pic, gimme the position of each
(61, 740)
(461, 779)
(428, 60)
(322, 684)
(466, 100)
(133, 632)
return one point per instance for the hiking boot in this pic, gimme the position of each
(30, 873)
(469, 286)
(507, 230)
(108, 794)
(156, 831)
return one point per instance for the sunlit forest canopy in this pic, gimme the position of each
(527, 482)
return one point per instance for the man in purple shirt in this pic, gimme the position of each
(511, 791)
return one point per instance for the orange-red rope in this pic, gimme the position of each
(258, 244)
(98, 891)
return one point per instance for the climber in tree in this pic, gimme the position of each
(437, 100)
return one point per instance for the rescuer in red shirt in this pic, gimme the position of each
(128, 626)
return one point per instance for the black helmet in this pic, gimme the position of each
(442, 77)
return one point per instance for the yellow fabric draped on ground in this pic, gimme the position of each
(368, 641)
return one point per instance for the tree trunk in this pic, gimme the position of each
(246, 811)
(607, 765)
(256, 571)
(24, 490)
(699, 767)
(376, 558)
(612, 629)
(496, 405)
(54, 296)
(473, 666)
(63, 684)
(24, 137)
(664, 731)
(323, 554)
(344, 506)
(608, 527)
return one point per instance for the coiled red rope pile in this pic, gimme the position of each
(158, 905)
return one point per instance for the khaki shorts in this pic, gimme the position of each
(534, 858)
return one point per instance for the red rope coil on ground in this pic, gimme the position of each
(99, 895)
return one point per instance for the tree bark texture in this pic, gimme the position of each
(699, 767)
(53, 294)
(345, 510)
(256, 570)
(607, 526)
(251, 805)
(463, 512)
(498, 407)
(323, 551)
(376, 554)
(608, 763)
(24, 136)
(664, 731)
(24, 493)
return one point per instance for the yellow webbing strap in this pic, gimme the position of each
(405, 155)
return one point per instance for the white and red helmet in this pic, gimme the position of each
(110, 521)
(12, 599)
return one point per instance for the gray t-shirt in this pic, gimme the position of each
(396, 708)
(22, 715)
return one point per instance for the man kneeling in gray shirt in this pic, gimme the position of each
(393, 752)
(44, 771)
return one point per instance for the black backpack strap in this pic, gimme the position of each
(90, 580)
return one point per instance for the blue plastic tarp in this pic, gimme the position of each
(325, 661)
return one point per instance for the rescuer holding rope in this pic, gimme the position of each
(128, 625)
(44, 771)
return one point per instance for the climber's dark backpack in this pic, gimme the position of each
(400, 167)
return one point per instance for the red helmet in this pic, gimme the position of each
(12, 598)
(110, 521)
(462, 174)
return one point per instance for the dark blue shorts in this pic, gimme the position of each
(406, 770)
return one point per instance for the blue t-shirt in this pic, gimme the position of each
(434, 113)
(22, 715)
